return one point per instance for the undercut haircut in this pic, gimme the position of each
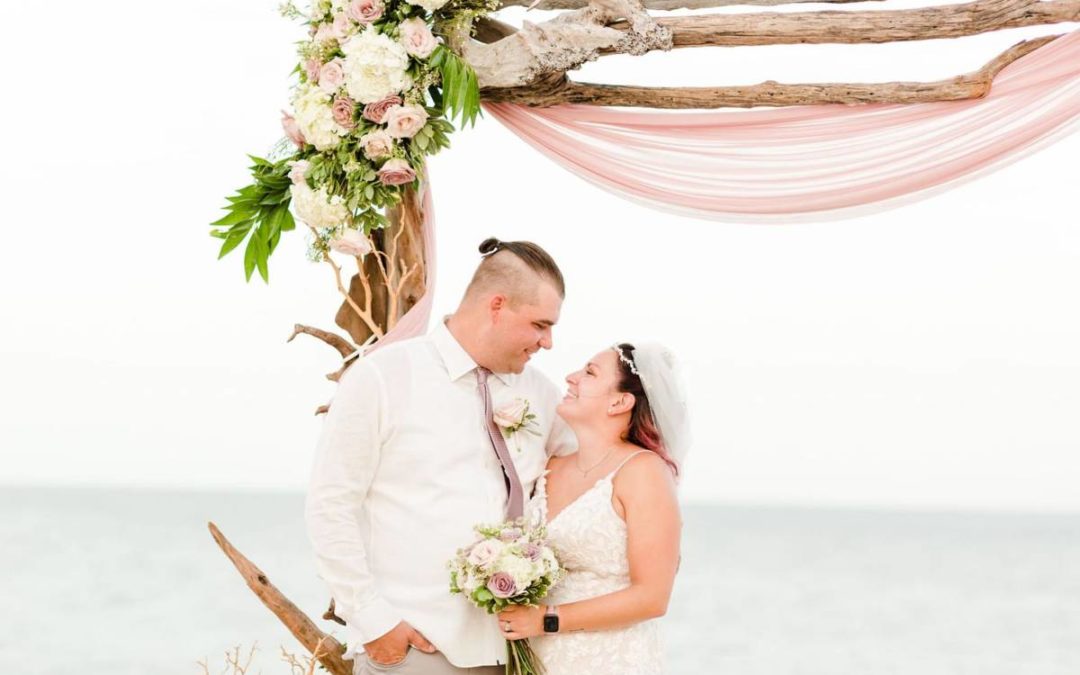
(512, 267)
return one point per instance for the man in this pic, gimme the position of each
(409, 461)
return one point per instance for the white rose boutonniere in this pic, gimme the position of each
(515, 416)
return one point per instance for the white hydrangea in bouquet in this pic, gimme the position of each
(508, 564)
(376, 90)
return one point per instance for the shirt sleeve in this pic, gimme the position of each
(345, 461)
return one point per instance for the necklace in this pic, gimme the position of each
(585, 472)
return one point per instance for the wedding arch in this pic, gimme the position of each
(380, 83)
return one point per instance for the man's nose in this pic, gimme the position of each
(547, 340)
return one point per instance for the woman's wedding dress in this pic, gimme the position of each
(590, 541)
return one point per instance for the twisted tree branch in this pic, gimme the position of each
(670, 4)
(323, 646)
(874, 26)
(560, 90)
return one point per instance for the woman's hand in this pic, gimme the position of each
(519, 622)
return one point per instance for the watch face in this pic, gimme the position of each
(551, 624)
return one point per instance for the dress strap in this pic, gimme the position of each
(623, 463)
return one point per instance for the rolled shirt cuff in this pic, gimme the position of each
(370, 622)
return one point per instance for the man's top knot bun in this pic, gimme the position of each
(489, 246)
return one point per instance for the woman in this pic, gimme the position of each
(612, 517)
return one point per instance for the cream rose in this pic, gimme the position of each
(351, 242)
(331, 76)
(485, 553)
(512, 414)
(376, 144)
(342, 27)
(418, 38)
(403, 121)
(298, 172)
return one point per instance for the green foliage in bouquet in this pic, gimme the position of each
(376, 94)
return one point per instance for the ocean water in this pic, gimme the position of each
(96, 582)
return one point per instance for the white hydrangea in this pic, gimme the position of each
(522, 571)
(315, 117)
(429, 5)
(316, 208)
(375, 66)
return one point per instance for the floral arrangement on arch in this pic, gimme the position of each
(375, 95)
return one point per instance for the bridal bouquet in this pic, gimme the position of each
(508, 564)
(375, 91)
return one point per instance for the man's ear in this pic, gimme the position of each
(496, 304)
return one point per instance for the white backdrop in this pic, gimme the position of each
(923, 357)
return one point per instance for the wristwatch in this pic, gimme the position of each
(551, 619)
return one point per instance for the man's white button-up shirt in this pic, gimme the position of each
(403, 471)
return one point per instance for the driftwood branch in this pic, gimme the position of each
(529, 65)
(323, 646)
(874, 26)
(561, 44)
(670, 4)
(343, 346)
(560, 90)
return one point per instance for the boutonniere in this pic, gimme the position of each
(514, 417)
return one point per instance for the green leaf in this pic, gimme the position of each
(236, 215)
(249, 258)
(231, 241)
(262, 253)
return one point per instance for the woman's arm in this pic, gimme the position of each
(645, 491)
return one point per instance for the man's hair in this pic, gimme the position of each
(506, 268)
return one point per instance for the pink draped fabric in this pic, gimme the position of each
(811, 161)
(415, 321)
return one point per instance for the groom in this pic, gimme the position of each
(409, 461)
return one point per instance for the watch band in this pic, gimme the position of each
(551, 619)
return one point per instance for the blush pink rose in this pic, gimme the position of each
(376, 144)
(403, 121)
(343, 109)
(365, 11)
(311, 67)
(331, 76)
(502, 585)
(292, 129)
(396, 172)
(376, 112)
(341, 27)
(511, 414)
(417, 38)
(298, 172)
(351, 242)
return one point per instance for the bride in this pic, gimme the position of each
(612, 517)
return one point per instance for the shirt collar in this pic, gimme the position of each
(457, 361)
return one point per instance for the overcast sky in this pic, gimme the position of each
(923, 357)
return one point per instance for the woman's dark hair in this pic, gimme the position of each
(643, 431)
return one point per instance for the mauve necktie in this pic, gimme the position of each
(515, 502)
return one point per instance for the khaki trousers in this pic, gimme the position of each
(417, 662)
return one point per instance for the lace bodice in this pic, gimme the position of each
(590, 540)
